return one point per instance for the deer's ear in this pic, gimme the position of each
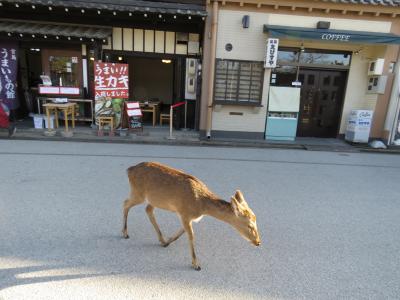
(239, 196)
(235, 206)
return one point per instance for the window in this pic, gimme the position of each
(64, 70)
(322, 58)
(238, 81)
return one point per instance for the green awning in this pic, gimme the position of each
(330, 35)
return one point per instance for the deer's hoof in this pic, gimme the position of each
(125, 236)
(197, 268)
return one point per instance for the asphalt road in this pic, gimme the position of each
(329, 224)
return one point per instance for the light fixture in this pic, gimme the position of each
(45, 36)
(16, 5)
(203, 18)
(33, 6)
(120, 58)
(145, 15)
(82, 11)
(57, 37)
(302, 48)
(69, 38)
(92, 58)
(246, 21)
(21, 35)
(80, 39)
(92, 40)
(160, 16)
(9, 34)
(190, 17)
(98, 12)
(66, 9)
(50, 8)
(114, 13)
(166, 61)
(130, 14)
(174, 17)
(33, 35)
(104, 41)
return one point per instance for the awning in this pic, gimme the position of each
(330, 35)
(51, 29)
(155, 6)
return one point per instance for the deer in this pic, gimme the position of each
(173, 190)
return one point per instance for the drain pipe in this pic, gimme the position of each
(211, 73)
(395, 97)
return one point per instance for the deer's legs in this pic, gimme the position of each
(150, 213)
(128, 203)
(175, 237)
(187, 225)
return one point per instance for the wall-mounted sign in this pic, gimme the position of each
(271, 54)
(111, 80)
(8, 74)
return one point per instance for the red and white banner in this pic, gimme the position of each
(111, 80)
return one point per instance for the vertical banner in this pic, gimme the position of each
(111, 80)
(271, 54)
(8, 73)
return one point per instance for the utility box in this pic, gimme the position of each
(359, 126)
(376, 84)
(375, 67)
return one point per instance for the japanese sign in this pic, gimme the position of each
(8, 74)
(111, 80)
(271, 54)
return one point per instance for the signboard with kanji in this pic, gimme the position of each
(111, 80)
(271, 54)
(8, 74)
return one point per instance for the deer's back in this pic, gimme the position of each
(168, 188)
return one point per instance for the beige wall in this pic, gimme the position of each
(249, 44)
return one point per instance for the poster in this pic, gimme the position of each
(111, 80)
(8, 73)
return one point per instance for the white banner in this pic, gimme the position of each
(271, 54)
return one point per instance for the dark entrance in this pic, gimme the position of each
(321, 101)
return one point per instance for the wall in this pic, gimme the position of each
(150, 78)
(249, 44)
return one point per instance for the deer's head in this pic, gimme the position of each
(245, 219)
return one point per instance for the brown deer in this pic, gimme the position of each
(173, 190)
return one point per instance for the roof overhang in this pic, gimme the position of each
(69, 31)
(123, 6)
(330, 35)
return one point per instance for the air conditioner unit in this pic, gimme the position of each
(376, 84)
(375, 67)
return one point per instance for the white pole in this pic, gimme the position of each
(171, 112)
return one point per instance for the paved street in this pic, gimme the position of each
(329, 224)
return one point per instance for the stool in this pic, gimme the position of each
(164, 117)
(105, 120)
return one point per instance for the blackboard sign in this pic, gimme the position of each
(135, 122)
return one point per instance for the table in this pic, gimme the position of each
(73, 100)
(151, 107)
(67, 108)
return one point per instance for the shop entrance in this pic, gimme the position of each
(321, 101)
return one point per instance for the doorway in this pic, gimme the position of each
(321, 101)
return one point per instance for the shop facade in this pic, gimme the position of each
(61, 42)
(325, 49)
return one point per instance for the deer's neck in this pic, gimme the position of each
(219, 209)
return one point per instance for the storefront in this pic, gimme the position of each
(324, 51)
(59, 42)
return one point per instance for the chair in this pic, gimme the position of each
(103, 121)
(164, 113)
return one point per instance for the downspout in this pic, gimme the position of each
(211, 74)
(395, 96)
